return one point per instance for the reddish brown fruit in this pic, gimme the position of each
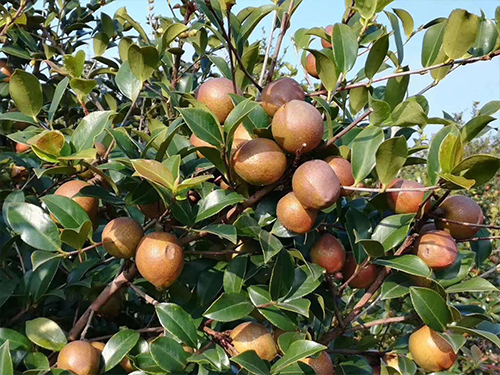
(152, 210)
(315, 185)
(311, 66)
(293, 216)
(241, 136)
(259, 162)
(125, 363)
(121, 236)
(462, 209)
(72, 188)
(159, 259)
(328, 30)
(343, 170)
(280, 92)
(254, 336)
(112, 308)
(406, 202)
(21, 147)
(80, 358)
(329, 253)
(100, 149)
(427, 227)
(197, 142)
(437, 249)
(6, 70)
(364, 278)
(322, 365)
(430, 351)
(298, 125)
(214, 93)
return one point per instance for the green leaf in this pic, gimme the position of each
(6, 367)
(458, 270)
(215, 202)
(395, 286)
(486, 38)
(251, 362)
(477, 284)
(456, 182)
(373, 248)
(408, 113)
(406, 20)
(143, 61)
(376, 56)
(364, 148)
(358, 98)
(390, 158)
(204, 125)
(345, 47)
(282, 275)
(253, 20)
(480, 168)
(229, 307)
(234, 275)
(36, 360)
(171, 32)
(178, 323)
(259, 296)
(168, 354)
(307, 278)
(431, 308)
(46, 333)
(298, 350)
(89, 128)
(474, 127)
(26, 91)
(58, 94)
(366, 8)
(450, 152)
(491, 337)
(460, 33)
(224, 231)
(74, 64)
(17, 341)
(482, 249)
(432, 44)
(396, 89)
(82, 87)
(327, 71)
(101, 42)
(490, 108)
(249, 60)
(397, 35)
(270, 245)
(127, 82)
(300, 306)
(433, 158)
(154, 171)
(381, 110)
(17, 117)
(410, 264)
(118, 347)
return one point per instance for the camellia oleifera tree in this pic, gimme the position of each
(172, 204)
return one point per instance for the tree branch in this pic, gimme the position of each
(488, 226)
(142, 294)
(390, 190)
(268, 48)
(392, 320)
(477, 239)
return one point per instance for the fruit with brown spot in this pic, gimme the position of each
(293, 216)
(121, 236)
(343, 170)
(298, 123)
(364, 278)
(430, 351)
(328, 30)
(311, 66)
(259, 162)
(316, 185)
(280, 92)
(329, 253)
(462, 209)
(322, 364)
(159, 259)
(406, 202)
(437, 249)
(254, 336)
(79, 358)
(72, 188)
(214, 93)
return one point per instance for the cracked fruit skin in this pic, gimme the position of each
(72, 188)
(79, 358)
(463, 209)
(293, 216)
(259, 162)
(322, 365)
(437, 249)
(121, 236)
(254, 336)
(316, 185)
(280, 92)
(430, 351)
(328, 30)
(159, 259)
(214, 93)
(329, 253)
(298, 123)
(311, 66)
(406, 202)
(364, 278)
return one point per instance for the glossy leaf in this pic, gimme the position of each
(474, 127)
(89, 128)
(476, 284)
(409, 113)
(229, 307)
(395, 286)
(406, 20)
(270, 245)
(46, 333)
(364, 148)
(298, 350)
(376, 56)
(450, 152)
(234, 275)
(6, 367)
(168, 354)
(154, 171)
(345, 47)
(203, 124)
(431, 308)
(215, 202)
(250, 361)
(410, 264)
(381, 110)
(460, 33)
(432, 43)
(325, 66)
(26, 91)
(142, 61)
(260, 297)
(128, 84)
(118, 347)
(390, 158)
(282, 275)
(178, 323)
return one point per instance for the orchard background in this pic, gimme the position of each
(141, 176)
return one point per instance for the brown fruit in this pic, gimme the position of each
(125, 363)
(72, 188)
(343, 170)
(100, 149)
(311, 66)
(430, 351)
(121, 236)
(6, 70)
(437, 249)
(80, 358)
(298, 123)
(322, 365)
(152, 210)
(427, 227)
(293, 216)
(254, 336)
(392, 361)
(112, 308)
(159, 259)
(328, 30)
(364, 278)
(280, 92)
(259, 162)
(463, 209)
(329, 253)
(21, 147)
(214, 93)
(197, 142)
(241, 136)
(316, 185)
(406, 202)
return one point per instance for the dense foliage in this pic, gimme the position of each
(141, 187)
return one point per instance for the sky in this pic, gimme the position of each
(474, 82)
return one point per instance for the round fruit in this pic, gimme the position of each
(72, 188)
(100, 149)
(259, 162)
(437, 249)
(328, 30)
(406, 202)
(364, 278)
(79, 358)
(159, 259)
(322, 365)
(293, 216)
(241, 136)
(21, 147)
(197, 142)
(112, 308)
(280, 92)
(214, 93)
(329, 253)
(463, 209)
(152, 210)
(298, 123)
(316, 185)
(343, 170)
(430, 351)
(121, 236)
(311, 66)
(254, 336)
(427, 227)
(6, 70)
(125, 363)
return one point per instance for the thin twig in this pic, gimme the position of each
(142, 330)
(390, 190)
(13, 19)
(87, 326)
(84, 250)
(144, 296)
(490, 271)
(268, 48)
(391, 320)
(354, 275)
(477, 239)
(488, 226)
